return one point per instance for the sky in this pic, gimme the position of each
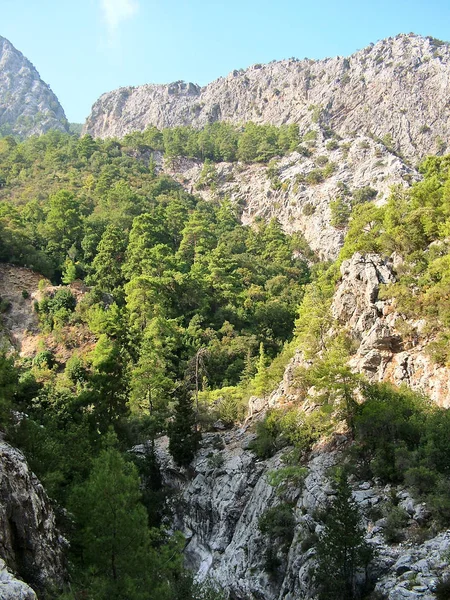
(87, 47)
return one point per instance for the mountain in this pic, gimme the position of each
(397, 88)
(27, 104)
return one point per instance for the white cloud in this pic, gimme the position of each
(116, 11)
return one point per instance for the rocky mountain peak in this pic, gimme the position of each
(396, 89)
(27, 104)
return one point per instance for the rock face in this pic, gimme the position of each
(398, 87)
(292, 196)
(12, 588)
(219, 510)
(30, 543)
(27, 104)
(384, 353)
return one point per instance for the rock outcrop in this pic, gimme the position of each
(27, 104)
(18, 291)
(30, 543)
(292, 196)
(384, 353)
(12, 588)
(219, 509)
(397, 88)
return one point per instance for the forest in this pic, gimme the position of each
(191, 313)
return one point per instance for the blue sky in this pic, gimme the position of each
(88, 47)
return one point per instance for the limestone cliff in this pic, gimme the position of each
(397, 87)
(218, 510)
(27, 104)
(30, 543)
(287, 190)
(384, 353)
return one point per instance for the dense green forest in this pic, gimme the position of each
(181, 298)
(189, 313)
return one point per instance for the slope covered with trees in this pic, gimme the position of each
(180, 298)
(187, 314)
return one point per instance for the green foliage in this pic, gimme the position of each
(9, 379)
(341, 549)
(287, 477)
(183, 434)
(340, 212)
(442, 589)
(396, 521)
(113, 537)
(278, 522)
(292, 427)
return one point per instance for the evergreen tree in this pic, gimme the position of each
(114, 540)
(183, 434)
(342, 551)
(107, 264)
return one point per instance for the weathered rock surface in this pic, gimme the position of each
(12, 588)
(30, 543)
(399, 86)
(359, 162)
(383, 354)
(27, 104)
(219, 508)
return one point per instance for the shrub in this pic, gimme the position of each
(396, 520)
(321, 161)
(278, 522)
(442, 590)
(267, 432)
(309, 209)
(364, 194)
(62, 299)
(44, 359)
(314, 177)
(5, 305)
(332, 145)
(215, 461)
(421, 479)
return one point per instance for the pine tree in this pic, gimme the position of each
(342, 550)
(183, 434)
(113, 523)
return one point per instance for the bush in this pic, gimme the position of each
(332, 145)
(62, 299)
(442, 590)
(44, 360)
(364, 194)
(278, 522)
(267, 431)
(421, 479)
(5, 305)
(309, 209)
(396, 520)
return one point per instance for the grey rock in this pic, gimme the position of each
(30, 543)
(219, 510)
(397, 87)
(12, 588)
(27, 104)
(382, 353)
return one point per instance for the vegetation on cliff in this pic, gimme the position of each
(188, 313)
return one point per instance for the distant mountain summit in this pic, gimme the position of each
(27, 104)
(397, 89)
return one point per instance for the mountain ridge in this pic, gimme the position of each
(27, 104)
(397, 87)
